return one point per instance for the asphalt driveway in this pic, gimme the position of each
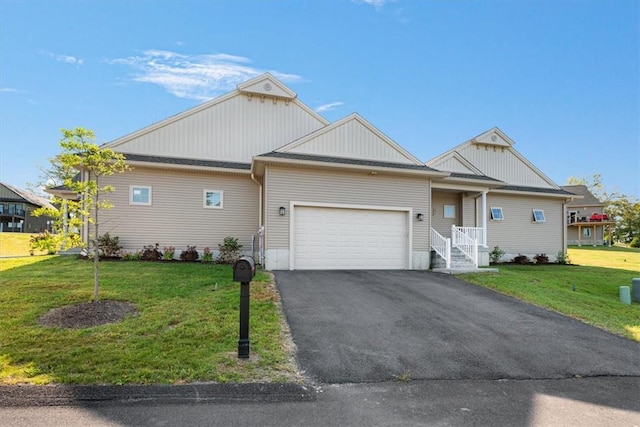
(367, 326)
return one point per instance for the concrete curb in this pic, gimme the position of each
(82, 395)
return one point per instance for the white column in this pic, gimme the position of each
(484, 219)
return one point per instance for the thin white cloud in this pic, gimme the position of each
(328, 107)
(378, 4)
(8, 89)
(72, 60)
(199, 77)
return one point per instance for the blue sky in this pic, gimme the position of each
(561, 78)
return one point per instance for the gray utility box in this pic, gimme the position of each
(635, 289)
(244, 269)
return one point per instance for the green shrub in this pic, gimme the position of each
(229, 250)
(169, 252)
(207, 256)
(191, 254)
(562, 258)
(132, 256)
(44, 242)
(635, 242)
(496, 254)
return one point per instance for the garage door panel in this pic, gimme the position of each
(332, 238)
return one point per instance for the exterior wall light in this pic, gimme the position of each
(283, 210)
(420, 217)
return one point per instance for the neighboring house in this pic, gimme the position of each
(586, 219)
(16, 207)
(302, 193)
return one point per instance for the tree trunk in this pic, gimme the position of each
(96, 251)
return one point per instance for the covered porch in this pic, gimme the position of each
(459, 227)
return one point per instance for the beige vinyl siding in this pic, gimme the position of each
(517, 233)
(283, 185)
(470, 217)
(177, 216)
(501, 163)
(352, 140)
(441, 224)
(233, 130)
(452, 164)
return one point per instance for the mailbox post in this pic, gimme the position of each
(243, 271)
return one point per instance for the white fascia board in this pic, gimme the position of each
(447, 154)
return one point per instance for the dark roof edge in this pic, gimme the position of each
(347, 161)
(186, 162)
(524, 189)
(472, 176)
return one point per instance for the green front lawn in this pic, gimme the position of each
(16, 244)
(185, 331)
(617, 256)
(597, 280)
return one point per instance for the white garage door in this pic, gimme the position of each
(330, 238)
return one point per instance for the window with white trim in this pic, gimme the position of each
(212, 199)
(497, 214)
(449, 211)
(586, 232)
(140, 195)
(538, 215)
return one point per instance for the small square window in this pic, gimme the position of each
(496, 214)
(538, 215)
(212, 199)
(586, 232)
(140, 195)
(449, 211)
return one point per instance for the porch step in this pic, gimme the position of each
(459, 261)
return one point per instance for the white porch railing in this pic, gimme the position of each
(466, 244)
(442, 246)
(476, 233)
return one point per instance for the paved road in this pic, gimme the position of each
(565, 402)
(370, 326)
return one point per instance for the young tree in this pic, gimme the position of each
(627, 214)
(80, 155)
(596, 187)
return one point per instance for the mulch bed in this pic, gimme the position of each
(87, 314)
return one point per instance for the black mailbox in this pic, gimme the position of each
(244, 269)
